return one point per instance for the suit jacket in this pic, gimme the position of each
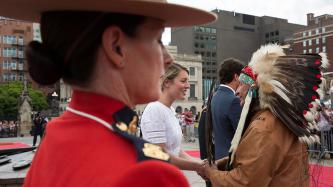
(226, 111)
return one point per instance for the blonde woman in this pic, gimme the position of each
(159, 123)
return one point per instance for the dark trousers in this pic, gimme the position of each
(35, 138)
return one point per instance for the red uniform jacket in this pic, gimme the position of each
(78, 151)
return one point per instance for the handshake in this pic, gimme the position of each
(206, 171)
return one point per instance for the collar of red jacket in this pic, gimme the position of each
(95, 104)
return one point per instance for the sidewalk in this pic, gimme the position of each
(193, 148)
(194, 179)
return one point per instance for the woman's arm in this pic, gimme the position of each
(184, 161)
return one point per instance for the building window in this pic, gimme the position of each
(317, 31)
(272, 34)
(317, 41)
(192, 71)
(4, 39)
(248, 19)
(304, 34)
(20, 77)
(5, 52)
(20, 65)
(324, 30)
(304, 43)
(304, 51)
(244, 29)
(310, 42)
(207, 29)
(213, 30)
(213, 54)
(324, 40)
(316, 21)
(310, 50)
(5, 77)
(202, 29)
(13, 76)
(317, 49)
(324, 49)
(196, 45)
(13, 65)
(196, 36)
(276, 33)
(267, 35)
(5, 64)
(309, 33)
(213, 37)
(192, 90)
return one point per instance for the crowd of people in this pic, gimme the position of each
(8, 128)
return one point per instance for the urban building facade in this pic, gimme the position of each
(316, 37)
(193, 100)
(14, 36)
(233, 35)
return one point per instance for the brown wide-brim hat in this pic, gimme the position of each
(173, 14)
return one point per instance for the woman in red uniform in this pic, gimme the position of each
(110, 52)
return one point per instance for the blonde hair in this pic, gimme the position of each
(173, 70)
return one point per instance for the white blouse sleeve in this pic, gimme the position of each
(153, 125)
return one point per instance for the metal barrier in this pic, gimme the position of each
(325, 146)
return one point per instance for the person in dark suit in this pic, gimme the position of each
(225, 107)
(38, 128)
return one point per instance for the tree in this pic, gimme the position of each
(10, 94)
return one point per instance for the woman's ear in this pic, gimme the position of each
(112, 44)
(166, 83)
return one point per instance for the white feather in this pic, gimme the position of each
(263, 59)
(309, 116)
(280, 90)
(317, 138)
(320, 93)
(324, 60)
(238, 134)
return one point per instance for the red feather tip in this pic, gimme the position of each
(310, 105)
(315, 88)
(314, 97)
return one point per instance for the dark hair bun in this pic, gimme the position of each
(44, 66)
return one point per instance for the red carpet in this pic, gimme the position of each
(321, 176)
(13, 145)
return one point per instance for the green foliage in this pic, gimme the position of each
(10, 94)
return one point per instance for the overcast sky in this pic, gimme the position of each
(293, 10)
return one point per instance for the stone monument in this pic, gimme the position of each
(24, 114)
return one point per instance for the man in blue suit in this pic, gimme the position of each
(225, 107)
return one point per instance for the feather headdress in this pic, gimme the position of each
(289, 86)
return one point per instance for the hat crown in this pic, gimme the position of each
(172, 14)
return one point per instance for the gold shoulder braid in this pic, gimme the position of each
(126, 125)
(155, 151)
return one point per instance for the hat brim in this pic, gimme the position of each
(173, 14)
